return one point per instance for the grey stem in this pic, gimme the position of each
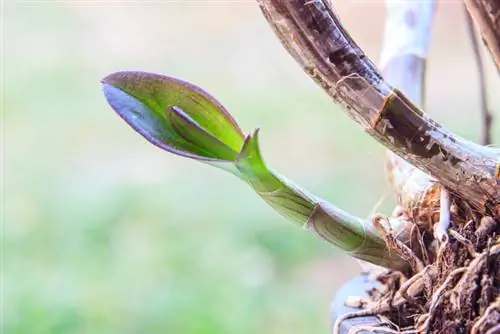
(403, 63)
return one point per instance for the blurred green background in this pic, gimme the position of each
(104, 233)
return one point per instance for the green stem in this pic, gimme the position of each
(354, 235)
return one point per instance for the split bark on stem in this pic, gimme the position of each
(314, 36)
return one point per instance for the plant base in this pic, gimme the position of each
(456, 291)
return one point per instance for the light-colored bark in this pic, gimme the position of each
(403, 57)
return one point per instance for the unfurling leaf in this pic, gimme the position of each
(174, 115)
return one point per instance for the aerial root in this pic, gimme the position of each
(495, 306)
(450, 282)
(407, 292)
(494, 330)
(441, 227)
(466, 242)
(421, 322)
(438, 294)
(486, 226)
(414, 286)
(420, 239)
(473, 270)
(393, 243)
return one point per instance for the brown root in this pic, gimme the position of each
(490, 317)
(454, 289)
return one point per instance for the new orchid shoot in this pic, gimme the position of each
(181, 118)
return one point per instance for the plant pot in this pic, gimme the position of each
(357, 286)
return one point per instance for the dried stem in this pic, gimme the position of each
(486, 15)
(487, 117)
(312, 33)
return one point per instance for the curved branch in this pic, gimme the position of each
(486, 15)
(313, 35)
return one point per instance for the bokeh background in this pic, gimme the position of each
(104, 233)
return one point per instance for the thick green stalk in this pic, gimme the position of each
(356, 236)
(185, 120)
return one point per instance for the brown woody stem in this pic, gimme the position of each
(486, 15)
(314, 36)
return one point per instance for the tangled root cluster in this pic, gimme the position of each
(454, 286)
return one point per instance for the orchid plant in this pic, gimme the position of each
(444, 184)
